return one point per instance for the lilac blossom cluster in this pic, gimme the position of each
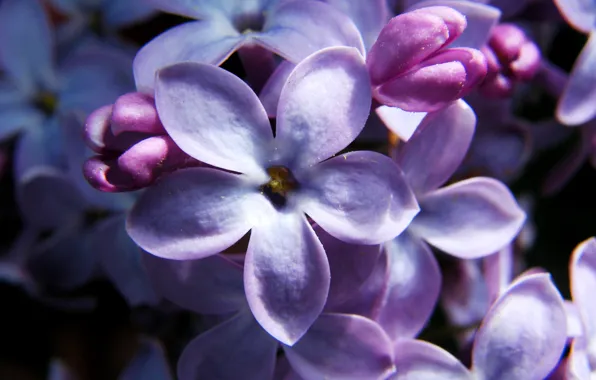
(220, 170)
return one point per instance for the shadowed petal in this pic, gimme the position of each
(26, 45)
(413, 289)
(576, 105)
(523, 334)
(194, 213)
(498, 269)
(213, 116)
(583, 284)
(120, 259)
(212, 285)
(438, 147)
(286, 276)
(342, 346)
(205, 41)
(359, 197)
(235, 349)
(270, 93)
(119, 13)
(323, 106)
(297, 29)
(416, 359)
(350, 264)
(188, 8)
(14, 119)
(149, 363)
(581, 14)
(469, 219)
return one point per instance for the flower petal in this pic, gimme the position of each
(438, 147)
(498, 268)
(118, 13)
(350, 264)
(578, 365)
(413, 288)
(582, 270)
(342, 346)
(271, 92)
(234, 129)
(469, 219)
(402, 123)
(359, 197)
(416, 359)
(581, 14)
(194, 213)
(14, 119)
(576, 104)
(323, 106)
(235, 349)
(26, 47)
(149, 363)
(212, 285)
(286, 276)
(297, 29)
(523, 334)
(205, 41)
(120, 259)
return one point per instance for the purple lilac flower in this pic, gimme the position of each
(577, 103)
(512, 57)
(358, 197)
(38, 86)
(521, 337)
(133, 148)
(467, 219)
(581, 363)
(418, 74)
(336, 346)
(292, 29)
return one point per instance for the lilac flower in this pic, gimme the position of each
(417, 73)
(522, 337)
(134, 148)
(38, 86)
(358, 197)
(581, 363)
(467, 219)
(292, 29)
(576, 105)
(337, 346)
(512, 57)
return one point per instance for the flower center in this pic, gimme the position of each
(249, 22)
(47, 102)
(280, 184)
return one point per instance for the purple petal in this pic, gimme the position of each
(578, 364)
(413, 288)
(574, 321)
(438, 147)
(194, 213)
(271, 92)
(498, 269)
(582, 271)
(416, 359)
(523, 334)
(286, 276)
(118, 13)
(188, 8)
(13, 119)
(234, 128)
(48, 199)
(469, 219)
(576, 105)
(405, 41)
(235, 349)
(26, 46)
(323, 106)
(149, 363)
(402, 123)
(350, 265)
(341, 346)
(480, 19)
(369, 16)
(212, 285)
(581, 14)
(205, 41)
(297, 29)
(359, 197)
(120, 259)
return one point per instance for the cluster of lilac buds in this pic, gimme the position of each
(297, 190)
